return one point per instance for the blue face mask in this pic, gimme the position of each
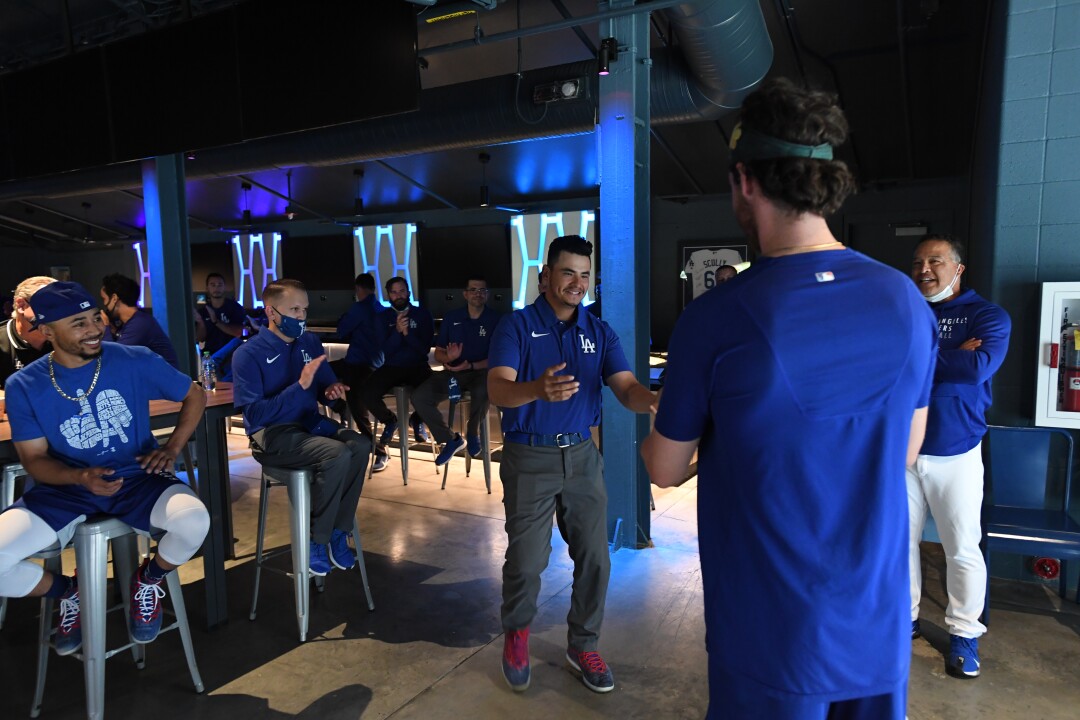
(290, 327)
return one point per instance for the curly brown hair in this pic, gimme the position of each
(784, 110)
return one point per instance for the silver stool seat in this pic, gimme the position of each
(298, 483)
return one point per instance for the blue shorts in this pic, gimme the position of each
(60, 505)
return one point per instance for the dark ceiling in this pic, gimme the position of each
(907, 74)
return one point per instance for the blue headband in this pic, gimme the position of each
(747, 145)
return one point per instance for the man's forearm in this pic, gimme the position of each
(511, 393)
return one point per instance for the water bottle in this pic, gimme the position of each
(209, 372)
(454, 389)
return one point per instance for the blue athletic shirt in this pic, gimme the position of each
(110, 427)
(266, 371)
(474, 335)
(531, 340)
(800, 376)
(143, 330)
(230, 313)
(357, 327)
(406, 350)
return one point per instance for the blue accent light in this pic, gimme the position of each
(528, 262)
(144, 274)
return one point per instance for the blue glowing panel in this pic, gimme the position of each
(143, 271)
(254, 270)
(386, 251)
(530, 235)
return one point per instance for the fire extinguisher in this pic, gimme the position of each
(1046, 568)
(1070, 369)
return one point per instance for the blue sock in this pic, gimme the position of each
(60, 585)
(152, 572)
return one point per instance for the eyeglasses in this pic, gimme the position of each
(477, 291)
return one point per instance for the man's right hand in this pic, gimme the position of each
(307, 375)
(556, 388)
(970, 344)
(95, 480)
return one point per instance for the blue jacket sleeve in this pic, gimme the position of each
(249, 393)
(992, 325)
(348, 323)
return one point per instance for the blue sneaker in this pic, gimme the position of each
(515, 660)
(916, 630)
(146, 598)
(68, 630)
(594, 671)
(381, 461)
(341, 554)
(473, 443)
(318, 559)
(388, 433)
(448, 450)
(963, 657)
(419, 431)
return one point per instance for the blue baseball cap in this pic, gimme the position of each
(59, 300)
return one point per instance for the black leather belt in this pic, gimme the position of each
(562, 440)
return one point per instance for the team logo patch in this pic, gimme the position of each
(826, 276)
(483, 331)
(587, 345)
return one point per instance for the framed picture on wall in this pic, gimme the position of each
(699, 260)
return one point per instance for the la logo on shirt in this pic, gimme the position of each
(587, 345)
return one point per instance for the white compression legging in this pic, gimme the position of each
(178, 512)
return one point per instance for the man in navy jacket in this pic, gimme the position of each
(357, 327)
(947, 477)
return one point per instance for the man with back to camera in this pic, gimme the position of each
(80, 419)
(357, 327)
(128, 323)
(279, 378)
(547, 365)
(462, 348)
(219, 322)
(801, 459)
(947, 477)
(21, 341)
(406, 332)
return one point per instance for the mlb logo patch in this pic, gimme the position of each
(826, 276)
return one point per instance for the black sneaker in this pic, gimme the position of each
(594, 671)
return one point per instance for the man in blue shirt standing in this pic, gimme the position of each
(802, 383)
(947, 477)
(357, 327)
(547, 365)
(462, 348)
(406, 333)
(219, 324)
(128, 323)
(280, 376)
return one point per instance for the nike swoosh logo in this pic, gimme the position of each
(270, 360)
(540, 335)
(456, 324)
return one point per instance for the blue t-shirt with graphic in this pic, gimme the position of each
(800, 377)
(110, 427)
(473, 334)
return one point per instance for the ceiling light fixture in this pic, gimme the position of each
(358, 199)
(290, 211)
(246, 187)
(484, 195)
(609, 53)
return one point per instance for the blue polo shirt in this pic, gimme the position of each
(265, 374)
(143, 330)
(230, 313)
(357, 327)
(406, 350)
(474, 335)
(531, 340)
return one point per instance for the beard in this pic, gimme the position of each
(400, 304)
(79, 350)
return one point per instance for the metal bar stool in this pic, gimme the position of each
(92, 539)
(11, 473)
(485, 441)
(401, 397)
(298, 483)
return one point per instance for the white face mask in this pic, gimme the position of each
(945, 292)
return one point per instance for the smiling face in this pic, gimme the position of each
(934, 268)
(568, 281)
(76, 339)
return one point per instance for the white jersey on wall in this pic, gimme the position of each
(703, 264)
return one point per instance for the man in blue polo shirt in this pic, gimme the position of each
(547, 365)
(280, 376)
(462, 348)
(219, 324)
(805, 398)
(128, 323)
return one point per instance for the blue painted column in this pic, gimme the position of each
(169, 254)
(624, 263)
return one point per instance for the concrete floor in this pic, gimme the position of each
(431, 649)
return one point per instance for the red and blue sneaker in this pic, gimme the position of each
(68, 630)
(515, 660)
(146, 596)
(594, 671)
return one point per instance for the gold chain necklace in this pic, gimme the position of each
(52, 376)
(803, 248)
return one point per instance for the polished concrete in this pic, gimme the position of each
(431, 649)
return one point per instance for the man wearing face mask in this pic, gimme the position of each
(947, 477)
(280, 376)
(128, 323)
(407, 332)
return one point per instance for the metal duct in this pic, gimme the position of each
(727, 57)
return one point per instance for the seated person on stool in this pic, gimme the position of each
(128, 323)
(462, 348)
(218, 322)
(357, 328)
(406, 333)
(21, 341)
(80, 419)
(279, 377)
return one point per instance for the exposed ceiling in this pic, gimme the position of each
(907, 73)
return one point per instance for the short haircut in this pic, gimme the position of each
(276, 288)
(126, 290)
(956, 248)
(475, 276)
(783, 110)
(365, 281)
(213, 275)
(31, 285)
(396, 279)
(574, 244)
